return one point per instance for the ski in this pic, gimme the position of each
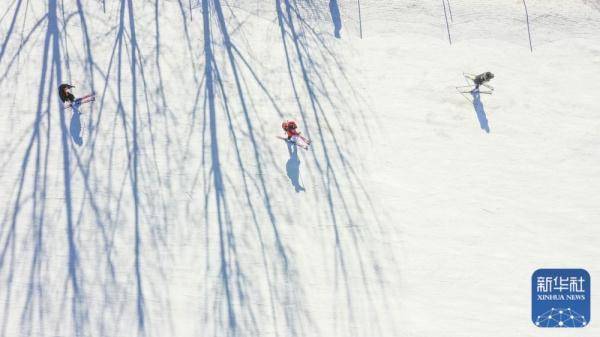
(470, 79)
(472, 91)
(305, 147)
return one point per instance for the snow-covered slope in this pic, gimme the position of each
(168, 207)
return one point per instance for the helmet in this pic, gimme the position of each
(489, 75)
(291, 124)
(64, 94)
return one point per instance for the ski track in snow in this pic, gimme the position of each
(168, 208)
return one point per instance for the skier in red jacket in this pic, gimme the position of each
(291, 130)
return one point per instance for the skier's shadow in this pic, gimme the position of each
(480, 111)
(293, 167)
(75, 127)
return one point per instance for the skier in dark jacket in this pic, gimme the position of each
(64, 92)
(482, 78)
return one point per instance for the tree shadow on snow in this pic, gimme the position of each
(85, 188)
(36, 160)
(320, 88)
(228, 105)
(336, 18)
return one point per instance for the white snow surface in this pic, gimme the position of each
(177, 212)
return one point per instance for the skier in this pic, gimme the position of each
(64, 92)
(482, 79)
(293, 134)
(474, 82)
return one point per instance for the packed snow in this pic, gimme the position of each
(169, 207)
